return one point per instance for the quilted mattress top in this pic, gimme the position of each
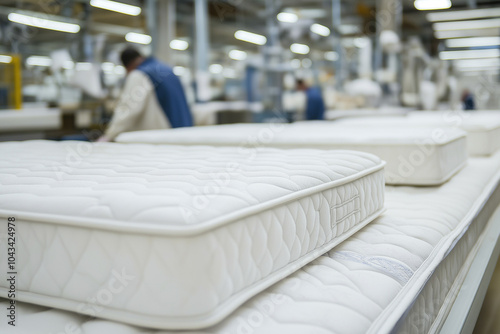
(161, 189)
(306, 134)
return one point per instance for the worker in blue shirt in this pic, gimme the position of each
(315, 106)
(153, 98)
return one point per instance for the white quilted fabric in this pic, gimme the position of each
(174, 237)
(483, 128)
(366, 284)
(420, 156)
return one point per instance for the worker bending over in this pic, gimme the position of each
(152, 98)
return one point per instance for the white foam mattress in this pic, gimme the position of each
(393, 276)
(174, 237)
(381, 112)
(483, 128)
(420, 156)
(30, 120)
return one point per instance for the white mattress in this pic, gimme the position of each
(190, 232)
(483, 128)
(30, 120)
(419, 156)
(398, 274)
(381, 112)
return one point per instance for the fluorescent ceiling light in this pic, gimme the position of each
(179, 70)
(38, 22)
(134, 37)
(237, 55)
(320, 29)
(461, 25)
(178, 44)
(215, 68)
(39, 61)
(287, 17)
(299, 48)
(473, 63)
(116, 7)
(472, 42)
(83, 66)
(5, 59)
(464, 15)
(331, 56)
(465, 33)
(432, 4)
(469, 54)
(250, 37)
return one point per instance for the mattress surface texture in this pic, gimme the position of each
(419, 156)
(365, 285)
(483, 128)
(185, 234)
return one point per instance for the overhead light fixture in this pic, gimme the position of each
(5, 59)
(320, 29)
(461, 25)
(432, 4)
(39, 61)
(179, 70)
(287, 17)
(115, 6)
(39, 22)
(250, 37)
(215, 68)
(469, 54)
(299, 48)
(237, 55)
(472, 63)
(464, 15)
(178, 44)
(331, 56)
(134, 37)
(473, 42)
(447, 34)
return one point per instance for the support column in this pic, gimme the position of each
(151, 18)
(202, 51)
(166, 30)
(339, 64)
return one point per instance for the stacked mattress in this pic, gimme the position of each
(398, 274)
(483, 128)
(420, 156)
(174, 237)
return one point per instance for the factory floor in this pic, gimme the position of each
(489, 317)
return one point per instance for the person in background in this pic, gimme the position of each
(153, 98)
(315, 106)
(468, 100)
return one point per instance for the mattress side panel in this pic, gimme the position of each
(188, 278)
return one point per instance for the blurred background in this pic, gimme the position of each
(239, 61)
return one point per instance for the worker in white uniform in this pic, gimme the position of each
(153, 98)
